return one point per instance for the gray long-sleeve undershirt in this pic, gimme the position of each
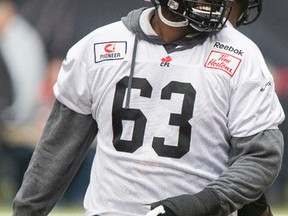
(61, 150)
(254, 164)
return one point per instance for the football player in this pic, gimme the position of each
(184, 109)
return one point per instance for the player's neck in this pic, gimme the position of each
(168, 33)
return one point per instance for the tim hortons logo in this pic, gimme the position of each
(223, 61)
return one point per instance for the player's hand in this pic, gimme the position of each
(156, 211)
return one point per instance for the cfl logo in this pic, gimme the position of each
(165, 62)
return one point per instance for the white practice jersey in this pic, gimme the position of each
(164, 127)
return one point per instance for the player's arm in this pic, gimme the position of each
(254, 164)
(65, 141)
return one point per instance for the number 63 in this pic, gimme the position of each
(119, 113)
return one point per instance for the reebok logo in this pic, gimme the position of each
(228, 48)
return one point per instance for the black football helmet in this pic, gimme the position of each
(251, 11)
(202, 15)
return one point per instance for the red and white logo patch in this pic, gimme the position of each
(223, 61)
(165, 62)
(115, 50)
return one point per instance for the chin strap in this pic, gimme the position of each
(171, 23)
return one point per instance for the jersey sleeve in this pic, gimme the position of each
(254, 105)
(72, 87)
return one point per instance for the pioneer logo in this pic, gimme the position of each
(228, 48)
(108, 51)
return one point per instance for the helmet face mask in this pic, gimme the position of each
(202, 15)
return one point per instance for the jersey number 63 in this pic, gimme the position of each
(119, 113)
